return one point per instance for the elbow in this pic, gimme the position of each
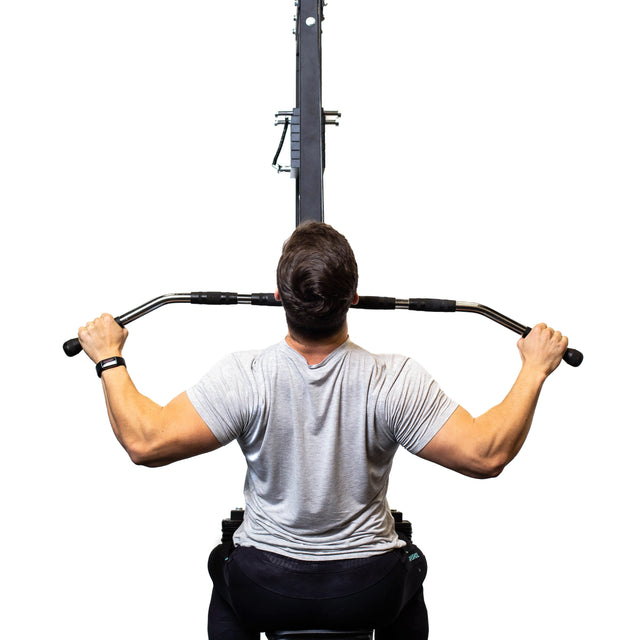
(495, 465)
(480, 468)
(488, 467)
(138, 455)
(141, 455)
(146, 456)
(493, 470)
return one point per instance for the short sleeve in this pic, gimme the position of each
(224, 398)
(416, 407)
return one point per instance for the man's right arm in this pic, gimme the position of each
(481, 447)
(151, 434)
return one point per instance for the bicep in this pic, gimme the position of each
(458, 446)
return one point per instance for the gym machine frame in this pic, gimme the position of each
(306, 123)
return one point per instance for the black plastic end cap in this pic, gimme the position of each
(573, 357)
(72, 347)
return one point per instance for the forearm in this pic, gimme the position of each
(135, 419)
(505, 427)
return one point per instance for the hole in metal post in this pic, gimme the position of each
(310, 21)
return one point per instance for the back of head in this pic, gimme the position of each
(317, 280)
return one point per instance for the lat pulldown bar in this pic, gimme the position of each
(572, 356)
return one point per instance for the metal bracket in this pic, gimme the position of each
(292, 119)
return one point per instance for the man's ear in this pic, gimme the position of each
(356, 299)
(276, 295)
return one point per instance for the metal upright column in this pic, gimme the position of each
(309, 182)
(308, 119)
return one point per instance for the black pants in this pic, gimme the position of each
(259, 591)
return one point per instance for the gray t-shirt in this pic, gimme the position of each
(319, 441)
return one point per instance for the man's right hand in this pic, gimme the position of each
(542, 349)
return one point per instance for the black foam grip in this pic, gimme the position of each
(573, 357)
(214, 297)
(375, 302)
(431, 304)
(72, 347)
(265, 300)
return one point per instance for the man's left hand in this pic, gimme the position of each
(102, 338)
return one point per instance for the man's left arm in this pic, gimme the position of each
(481, 447)
(152, 435)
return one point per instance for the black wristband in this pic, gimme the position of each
(109, 363)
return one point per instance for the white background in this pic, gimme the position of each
(488, 152)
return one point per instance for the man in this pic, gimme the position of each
(319, 420)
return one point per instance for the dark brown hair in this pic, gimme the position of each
(317, 280)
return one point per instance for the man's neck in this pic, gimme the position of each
(315, 351)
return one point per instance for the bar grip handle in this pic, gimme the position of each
(431, 304)
(214, 297)
(375, 302)
(265, 300)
